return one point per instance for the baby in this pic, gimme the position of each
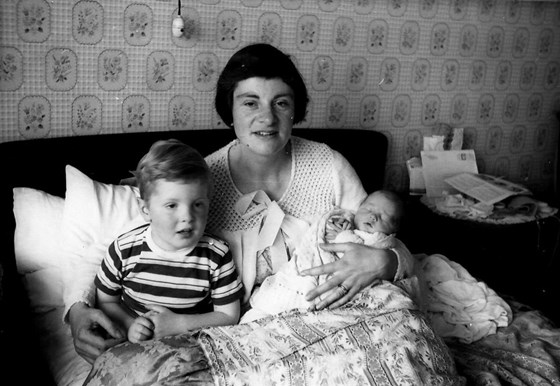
(374, 224)
(376, 221)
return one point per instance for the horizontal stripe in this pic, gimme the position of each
(149, 285)
(190, 299)
(202, 306)
(175, 281)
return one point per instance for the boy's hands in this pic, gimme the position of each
(165, 322)
(154, 324)
(141, 329)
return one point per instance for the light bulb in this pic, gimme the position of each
(177, 26)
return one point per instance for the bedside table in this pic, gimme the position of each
(521, 260)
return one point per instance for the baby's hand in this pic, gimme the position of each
(338, 223)
(141, 329)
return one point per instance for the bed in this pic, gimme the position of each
(523, 350)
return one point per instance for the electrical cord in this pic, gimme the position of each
(178, 25)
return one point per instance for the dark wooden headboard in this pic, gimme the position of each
(39, 163)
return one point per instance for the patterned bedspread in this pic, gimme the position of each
(380, 338)
(346, 346)
(527, 352)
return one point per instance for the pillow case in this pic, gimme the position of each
(45, 289)
(95, 212)
(38, 218)
(58, 243)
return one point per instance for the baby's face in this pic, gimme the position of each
(378, 213)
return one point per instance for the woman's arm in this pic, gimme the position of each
(79, 277)
(167, 322)
(138, 328)
(360, 267)
(348, 190)
(93, 332)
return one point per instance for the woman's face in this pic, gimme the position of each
(263, 111)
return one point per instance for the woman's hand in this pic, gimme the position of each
(360, 267)
(93, 332)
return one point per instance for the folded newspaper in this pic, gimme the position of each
(485, 188)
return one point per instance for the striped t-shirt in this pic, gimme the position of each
(186, 282)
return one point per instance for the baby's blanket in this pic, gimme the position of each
(286, 289)
(458, 305)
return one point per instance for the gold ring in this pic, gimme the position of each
(343, 288)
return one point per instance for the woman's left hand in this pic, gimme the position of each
(360, 267)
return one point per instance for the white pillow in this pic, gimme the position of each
(45, 289)
(38, 218)
(52, 234)
(55, 338)
(95, 212)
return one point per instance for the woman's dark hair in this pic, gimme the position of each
(262, 61)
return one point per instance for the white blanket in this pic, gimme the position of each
(458, 305)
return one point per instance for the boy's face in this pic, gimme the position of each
(178, 212)
(377, 213)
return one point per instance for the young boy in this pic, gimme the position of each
(374, 224)
(168, 276)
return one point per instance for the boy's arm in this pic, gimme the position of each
(113, 307)
(169, 323)
(226, 314)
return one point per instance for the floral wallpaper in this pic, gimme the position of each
(403, 67)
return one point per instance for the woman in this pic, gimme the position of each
(268, 186)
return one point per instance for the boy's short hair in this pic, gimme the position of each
(170, 160)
